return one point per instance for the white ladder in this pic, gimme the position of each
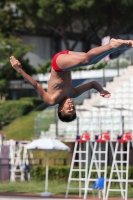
(18, 158)
(120, 171)
(78, 150)
(16, 170)
(96, 161)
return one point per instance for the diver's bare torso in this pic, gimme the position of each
(60, 86)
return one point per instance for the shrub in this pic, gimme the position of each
(62, 173)
(55, 173)
(12, 109)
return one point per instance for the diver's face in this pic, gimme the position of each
(67, 106)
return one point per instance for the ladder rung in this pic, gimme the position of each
(80, 151)
(77, 170)
(100, 152)
(100, 170)
(119, 152)
(18, 170)
(18, 176)
(79, 160)
(76, 188)
(92, 179)
(120, 161)
(77, 179)
(100, 190)
(113, 180)
(114, 170)
(99, 161)
(118, 180)
(117, 190)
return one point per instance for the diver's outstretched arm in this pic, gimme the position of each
(93, 84)
(43, 94)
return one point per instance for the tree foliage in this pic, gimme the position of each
(86, 20)
(46, 68)
(82, 19)
(10, 19)
(11, 44)
(112, 14)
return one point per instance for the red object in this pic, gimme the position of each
(127, 136)
(84, 137)
(54, 65)
(104, 137)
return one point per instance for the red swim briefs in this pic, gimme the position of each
(54, 65)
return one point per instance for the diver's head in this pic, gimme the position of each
(66, 110)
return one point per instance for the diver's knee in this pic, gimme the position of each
(85, 59)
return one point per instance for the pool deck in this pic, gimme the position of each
(7, 196)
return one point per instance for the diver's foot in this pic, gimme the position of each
(121, 44)
(15, 63)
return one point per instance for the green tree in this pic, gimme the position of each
(45, 68)
(77, 19)
(10, 18)
(59, 17)
(113, 16)
(12, 46)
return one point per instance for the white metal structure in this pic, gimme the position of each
(18, 158)
(16, 170)
(99, 157)
(82, 162)
(99, 161)
(123, 173)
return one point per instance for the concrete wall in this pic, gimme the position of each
(42, 52)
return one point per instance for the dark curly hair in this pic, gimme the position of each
(66, 118)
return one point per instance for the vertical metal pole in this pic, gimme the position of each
(88, 147)
(36, 127)
(111, 133)
(122, 147)
(131, 56)
(118, 67)
(80, 167)
(99, 148)
(127, 169)
(105, 172)
(104, 82)
(122, 125)
(56, 122)
(132, 129)
(46, 176)
(77, 125)
(92, 132)
(100, 131)
(87, 159)
(121, 157)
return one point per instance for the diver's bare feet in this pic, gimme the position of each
(121, 44)
(15, 63)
